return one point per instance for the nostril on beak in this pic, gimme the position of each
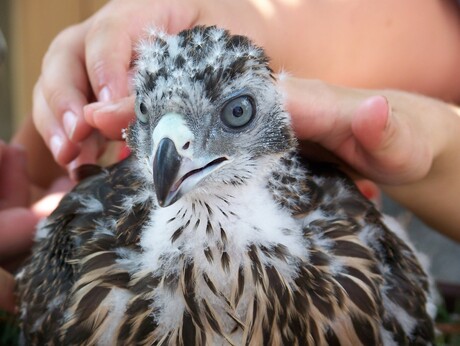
(186, 146)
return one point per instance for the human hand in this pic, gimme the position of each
(13, 194)
(390, 137)
(17, 219)
(406, 142)
(389, 143)
(91, 61)
(16, 222)
(17, 229)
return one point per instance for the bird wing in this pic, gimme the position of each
(360, 275)
(74, 265)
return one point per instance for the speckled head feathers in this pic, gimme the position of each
(216, 232)
(205, 55)
(195, 74)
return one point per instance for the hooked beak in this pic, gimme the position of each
(166, 165)
(174, 175)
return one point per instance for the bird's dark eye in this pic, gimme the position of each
(142, 114)
(238, 112)
(143, 108)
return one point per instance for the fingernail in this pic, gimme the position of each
(89, 110)
(98, 106)
(70, 123)
(56, 144)
(104, 95)
(108, 108)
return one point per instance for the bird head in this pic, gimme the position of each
(208, 112)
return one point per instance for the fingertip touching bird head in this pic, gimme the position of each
(207, 110)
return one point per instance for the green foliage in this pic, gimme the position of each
(9, 329)
(448, 324)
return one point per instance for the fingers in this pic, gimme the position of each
(370, 190)
(81, 57)
(111, 118)
(61, 93)
(371, 123)
(64, 150)
(90, 61)
(90, 150)
(51, 129)
(115, 31)
(64, 82)
(17, 228)
(389, 143)
(14, 182)
(108, 71)
(59, 97)
(312, 107)
(17, 225)
(7, 299)
(47, 204)
(110, 43)
(381, 137)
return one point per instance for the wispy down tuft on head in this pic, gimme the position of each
(212, 93)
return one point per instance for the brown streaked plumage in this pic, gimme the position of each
(215, 231)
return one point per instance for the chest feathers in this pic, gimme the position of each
(213, 260)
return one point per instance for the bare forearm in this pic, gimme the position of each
(358, 44)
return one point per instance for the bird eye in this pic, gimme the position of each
(142, 114)
(238, 112)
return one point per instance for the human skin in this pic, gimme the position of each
(350, 43)
(406, 142)
(385, 46)
(18, 216)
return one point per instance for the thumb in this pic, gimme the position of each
(371, 124)
(111, 118)
(391, 150)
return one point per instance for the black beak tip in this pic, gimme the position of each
(166, 165)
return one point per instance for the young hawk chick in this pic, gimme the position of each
(215, 231)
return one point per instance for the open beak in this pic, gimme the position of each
(174, 175)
